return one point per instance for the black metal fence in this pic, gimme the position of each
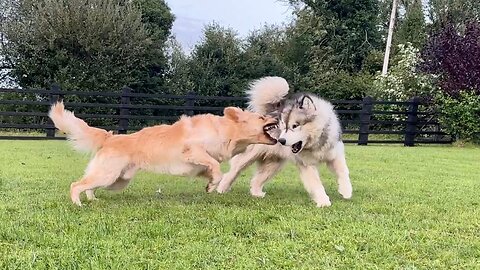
(364, 121)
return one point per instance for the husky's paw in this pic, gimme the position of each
(221, 188)
(257, 193)
(345, 191)
(77, 202)
(91, 195)
(324, 202)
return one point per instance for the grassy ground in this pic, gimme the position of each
(413, 208)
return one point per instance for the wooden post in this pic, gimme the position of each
(54, 97)
(365, 115)
(124, 111)
(389, 38)
(412, 121)
(190, 102)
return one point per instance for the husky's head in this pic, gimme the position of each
(296, 124)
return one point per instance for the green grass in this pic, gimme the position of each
(413, 208)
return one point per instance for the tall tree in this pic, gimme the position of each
(453, 12)
(83, 44)
(216, 65)
(412, 27)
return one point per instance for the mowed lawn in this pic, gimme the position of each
(413, 208)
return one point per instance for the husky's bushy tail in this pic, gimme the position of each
(266, 91)
(84, 138)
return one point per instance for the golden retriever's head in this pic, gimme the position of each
(252, 127)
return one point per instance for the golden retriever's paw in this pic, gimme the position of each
(257, 193)
(345, 191)
(210, 187)
(324, 203)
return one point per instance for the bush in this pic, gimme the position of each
(403, 81)
(460, 115)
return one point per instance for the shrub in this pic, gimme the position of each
(403, 81)
(460, 115)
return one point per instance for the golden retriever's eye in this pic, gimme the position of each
(295, 126)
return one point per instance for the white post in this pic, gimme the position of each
(389, 38)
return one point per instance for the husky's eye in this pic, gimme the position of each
(295, 126)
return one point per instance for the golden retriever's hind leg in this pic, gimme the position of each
(101, 172)
(124, 180)
(198, 156)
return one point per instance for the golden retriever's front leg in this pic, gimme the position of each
(198, 155)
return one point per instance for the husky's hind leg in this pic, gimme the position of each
(266, 170)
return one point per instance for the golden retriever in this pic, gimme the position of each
(191, 146)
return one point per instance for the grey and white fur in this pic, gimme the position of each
(309, 133)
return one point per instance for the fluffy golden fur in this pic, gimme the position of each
(191, 146)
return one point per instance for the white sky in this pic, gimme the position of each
(241, 15)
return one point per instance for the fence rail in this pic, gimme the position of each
(373, 121)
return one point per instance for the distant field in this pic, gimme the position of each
(413, 208)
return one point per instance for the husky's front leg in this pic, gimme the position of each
(198, 156)
(266, 169)
(311, 181)
(237, 164)
(339, 167)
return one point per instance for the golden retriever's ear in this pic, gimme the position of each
(232, 113)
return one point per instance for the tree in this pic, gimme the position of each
(84, 44)
(265, 54)
(158, 20)
(453, 57)
(412, 28)
(216, 66)
(453, 12)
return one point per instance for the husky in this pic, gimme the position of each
(309, 133)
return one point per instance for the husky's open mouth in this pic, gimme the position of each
(267, 129)
(297, 147)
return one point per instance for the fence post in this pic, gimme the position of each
(124, 111)
(412, 121)
(365, 115)
(54, 96)
(190, 102)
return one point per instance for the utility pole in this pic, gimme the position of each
(389, 38)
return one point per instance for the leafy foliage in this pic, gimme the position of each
(412, 28)
(460, 115)
(82, 44)
(453, 56)
(403, 80)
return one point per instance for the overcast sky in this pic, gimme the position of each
(241, 15)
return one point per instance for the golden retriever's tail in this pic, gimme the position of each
(265, 92)
(83, 137)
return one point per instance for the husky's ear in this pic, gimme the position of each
(233, 113)
(306, 102)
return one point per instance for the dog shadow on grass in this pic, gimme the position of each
(239, 197)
